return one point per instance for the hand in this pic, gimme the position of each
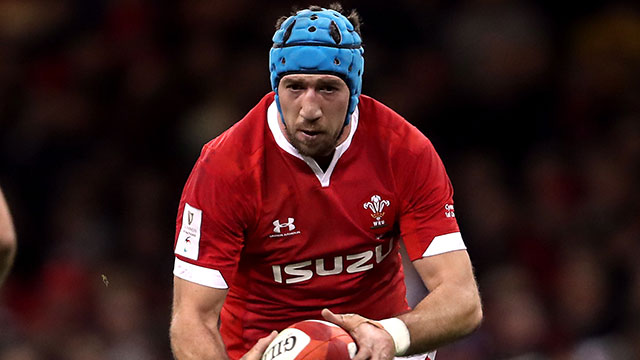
(258, 349)
(373, 341)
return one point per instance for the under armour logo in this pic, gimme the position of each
(288, 224)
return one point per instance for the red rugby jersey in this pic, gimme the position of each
(289, 239)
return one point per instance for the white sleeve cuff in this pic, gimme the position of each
(199, 275)
(399, 333)
(445, 243)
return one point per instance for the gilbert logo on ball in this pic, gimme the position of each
(311, 340)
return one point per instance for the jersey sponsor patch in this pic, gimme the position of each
(188, 244)
(350, 264)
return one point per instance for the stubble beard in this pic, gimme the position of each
(316, 149)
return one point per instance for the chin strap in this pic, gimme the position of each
(277, 100)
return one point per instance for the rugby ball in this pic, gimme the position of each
(311, 340)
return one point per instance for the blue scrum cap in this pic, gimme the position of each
(304, 44)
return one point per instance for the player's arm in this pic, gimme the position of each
(7, 239)
(451, 310)
(194, 323)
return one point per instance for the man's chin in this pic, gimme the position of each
(312, 151)
(316, 148)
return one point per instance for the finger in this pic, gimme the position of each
(264, 342)
(363, 354)
(258, 349)
(380, 355)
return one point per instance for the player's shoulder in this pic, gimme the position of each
(235, 150)
(385, 126)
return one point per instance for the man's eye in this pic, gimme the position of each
(294, 87)
(327, 89)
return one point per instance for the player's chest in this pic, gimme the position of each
(356, 212)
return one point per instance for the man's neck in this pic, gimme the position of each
(324, 161)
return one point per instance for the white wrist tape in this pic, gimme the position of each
(399, 333)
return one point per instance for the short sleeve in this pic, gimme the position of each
(427, 222)
(210, 225)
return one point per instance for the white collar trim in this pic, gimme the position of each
(284, 144)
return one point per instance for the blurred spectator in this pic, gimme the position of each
(519, 324)
(20, 352)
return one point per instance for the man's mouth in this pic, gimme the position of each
(310, 133)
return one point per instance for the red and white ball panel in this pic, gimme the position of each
(311, 340)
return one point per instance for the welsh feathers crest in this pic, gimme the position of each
(377, 205)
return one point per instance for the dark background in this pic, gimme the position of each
(533, 106)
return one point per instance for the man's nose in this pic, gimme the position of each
(311, 109)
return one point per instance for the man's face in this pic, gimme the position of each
(314, 108)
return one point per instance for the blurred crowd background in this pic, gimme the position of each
(534, 107)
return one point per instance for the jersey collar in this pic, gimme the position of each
(284, 144)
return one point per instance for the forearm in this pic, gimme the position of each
(193, 338)
(448, 313)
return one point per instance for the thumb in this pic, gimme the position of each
(264, 342)
(258, 349)
(348, 322)
(331, 317)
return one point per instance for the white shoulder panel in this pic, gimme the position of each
(199, 275)
(445, 243)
